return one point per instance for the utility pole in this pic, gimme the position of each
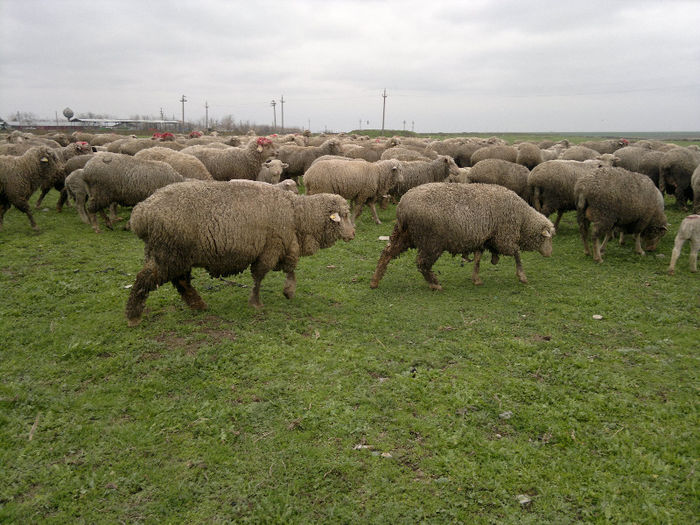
(309, 125)
(282, 111)
(360, 124)
(384, 95)
(162, 115)
(206, 115)
(56, 118)
(183, 100)
(274, 114)
(412, 125)
(404, 125)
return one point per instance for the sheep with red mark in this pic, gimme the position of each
(236, 163)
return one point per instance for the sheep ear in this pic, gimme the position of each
(259, 149)
(335, 217)
(545, 233)
(285, 165)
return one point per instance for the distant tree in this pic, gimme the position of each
(26, 118)
(227, 122)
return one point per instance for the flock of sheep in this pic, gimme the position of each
(226, 204)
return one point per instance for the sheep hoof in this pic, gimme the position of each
(134, 322)
(672, 272)
(477, 282)
(436, 287)
(522, 279)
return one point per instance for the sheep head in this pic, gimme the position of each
(262, 143)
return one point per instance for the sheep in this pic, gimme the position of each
(508, 153)
(65, 155)
(460, 150)
(415, 173)
(507, 174)
(71, 165)
(21, 176)
(460, 219)
(226, 227)
(551, 185)
(189, 166)
(300, 158)
(676, 168)
(237, 163)
(271, 171)
(371, 152)
(461, 177)
(605, 146)
(616, 198)
(695, 186)
(579, 153)
(689, 229)
(122, 179)
(529, 155)
(400, 153)
(357, 180)
(641, 160)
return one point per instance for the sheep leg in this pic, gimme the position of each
(62, 200)
(24, 207)
(694, 246)
(583, 228)
(494, 258)
(373, 207)
(677, 247)
(4, 206)
(358, 209)
(146, 281)
(638, 244)
(108, 222)
(44, 191)
(558, 220)
(398, 243)
(113, 213)
(184, 287)
(290, 285)
(597, 257)
(519, 268)
(258, 269)
(80, 206)
(475, 272)
(425, 261)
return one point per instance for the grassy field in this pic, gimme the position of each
(505, 403)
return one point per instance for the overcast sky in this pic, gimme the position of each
(468, 65)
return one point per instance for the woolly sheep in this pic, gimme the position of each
(461, 177)
(507, 174)
(695, 186)
(122, 179)
(237, 163)
(605, 146)
(529, 155)
(400, 153)
(21, 176)
(357, 180)
(508, 153)
(641, 160)
(688, 230)
(461, 219)
(460, 150)
(551, 185)
(676, 168)
(371, 152)
(415, 173)
(300, 158)
(65, 154)
(189, 166)
(616, 198)
(271, 171)
(71, 165)
(226, 227)
(579, 153)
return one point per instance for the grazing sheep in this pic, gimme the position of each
(508, 153)
(189, 166)
(689, 229)
(371, 152)
(21, 176)
(460, 150)
(695, 186)
(552, 184)
(226, 227)
(236, 163)
(641, 160)
(461, 177)
(605, 146)
(71, 165)
(122, 179)
(300, 158)
(65, 154)
(529, 155)
(676, 168)
(357, 180)
(400, 153)
(579, 153)
(461, 219)
(614, 198)
(507, 174)
(271, 171)
(417, 172)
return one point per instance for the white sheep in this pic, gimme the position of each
(688, 230)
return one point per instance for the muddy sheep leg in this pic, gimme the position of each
(519, 271)
(184, 287)
(425, 261)
(146, 281)
(475, 272)
(399, 242)
(23, 206)
(44, 191)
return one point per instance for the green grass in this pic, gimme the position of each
(346, 404)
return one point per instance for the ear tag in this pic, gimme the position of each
(44, 159)
(335, 217)
(259, 149)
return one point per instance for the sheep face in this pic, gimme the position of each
(652, 235)
(545, 243)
